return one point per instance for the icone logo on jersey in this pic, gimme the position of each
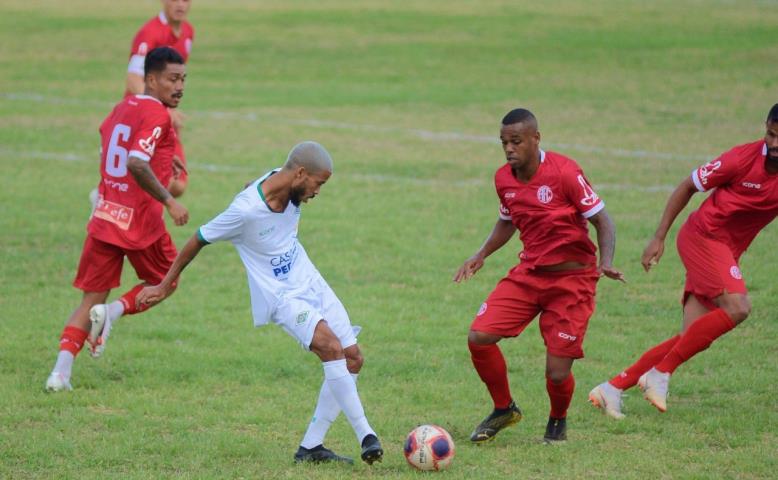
(567, 336)
(545, 194)
(704, 171)
(755, 186)
(510, 195)
(149, 144)
(590, 198)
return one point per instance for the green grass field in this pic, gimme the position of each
(407, 96)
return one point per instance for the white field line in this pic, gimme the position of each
(364, 177)
(422, 134)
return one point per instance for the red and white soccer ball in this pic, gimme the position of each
(429, 447)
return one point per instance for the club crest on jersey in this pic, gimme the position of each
(149, 144)
(544, 194)
(590, 198)
(143, 49)
(735, 272)
(302, 317)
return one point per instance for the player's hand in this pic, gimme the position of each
(468, 269)
(652, 253)
(177, 117)
(150, 295)
(179, 166)
(178, 212)
(612, 273)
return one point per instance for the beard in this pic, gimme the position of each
(296, 196)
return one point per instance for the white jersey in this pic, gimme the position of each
(276, 263)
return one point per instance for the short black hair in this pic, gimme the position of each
(518, 115)
(773, 115)
(157, 59)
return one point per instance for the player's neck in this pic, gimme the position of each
(276, 191)
(526, 172)
(771, 165)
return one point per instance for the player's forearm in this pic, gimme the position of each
(135, 84)
(606, 236)
(502, 232)
(145, 178)
(185, 256)
(675, 204)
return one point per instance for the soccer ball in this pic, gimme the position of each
(429, 447)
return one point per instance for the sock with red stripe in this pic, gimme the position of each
(490, 365)
(696, 338)
(629, 377)
(71, 342)
(560, 395)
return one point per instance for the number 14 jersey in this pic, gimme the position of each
(126, 215)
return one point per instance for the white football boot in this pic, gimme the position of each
(654, 385)
(607, 398)
(57, 383)
(101, 327)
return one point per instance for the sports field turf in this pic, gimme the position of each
(407, 96)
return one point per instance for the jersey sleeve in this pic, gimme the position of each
(226, 226)
(141, 45)
(152, 129)
(503, 211)
(720, 171)
(580, 192)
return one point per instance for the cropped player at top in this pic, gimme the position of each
(135, 162)
(168, 29)
(744, 200)
(546, 197)
(286, 289)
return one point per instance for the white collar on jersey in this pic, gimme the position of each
(542, 155)
(764, 150)
(147, 97)
(162, 18)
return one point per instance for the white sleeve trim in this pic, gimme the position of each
(505, 217)
(137, 153)
(696, 180)
(594, 211)
(136, 64)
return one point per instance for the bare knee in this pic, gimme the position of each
(738, 307)
(482, 338)
(558, 368)
(354, 359)
(557, 375)
(325, 344)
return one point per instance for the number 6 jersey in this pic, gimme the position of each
(126, 215)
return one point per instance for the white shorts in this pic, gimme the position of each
(298, 313)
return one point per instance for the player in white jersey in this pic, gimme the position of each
(286, 289)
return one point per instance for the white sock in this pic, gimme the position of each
(64, 365)
(344, 389)
(327, 411)
(115, 310)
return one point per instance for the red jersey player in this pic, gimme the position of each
(168, 29)
(744, 181)
(136, 156)
(549, 200)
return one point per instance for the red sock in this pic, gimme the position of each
(629, 377)
(72, 339)
(560, 395)
(128, 300)
(697, 338)
(490, 365)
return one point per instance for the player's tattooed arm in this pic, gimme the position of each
(144, 176)
(606, 241)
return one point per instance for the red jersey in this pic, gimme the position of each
(158, 33)
(550, 211)
(745, 198)
(125, 214)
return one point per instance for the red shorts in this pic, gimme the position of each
(100, 267)
(711, 268)
(564, 300)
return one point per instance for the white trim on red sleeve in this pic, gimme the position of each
(504, 217)
(594, 210)
(142, 155)
(136, 64)
(696, 180)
